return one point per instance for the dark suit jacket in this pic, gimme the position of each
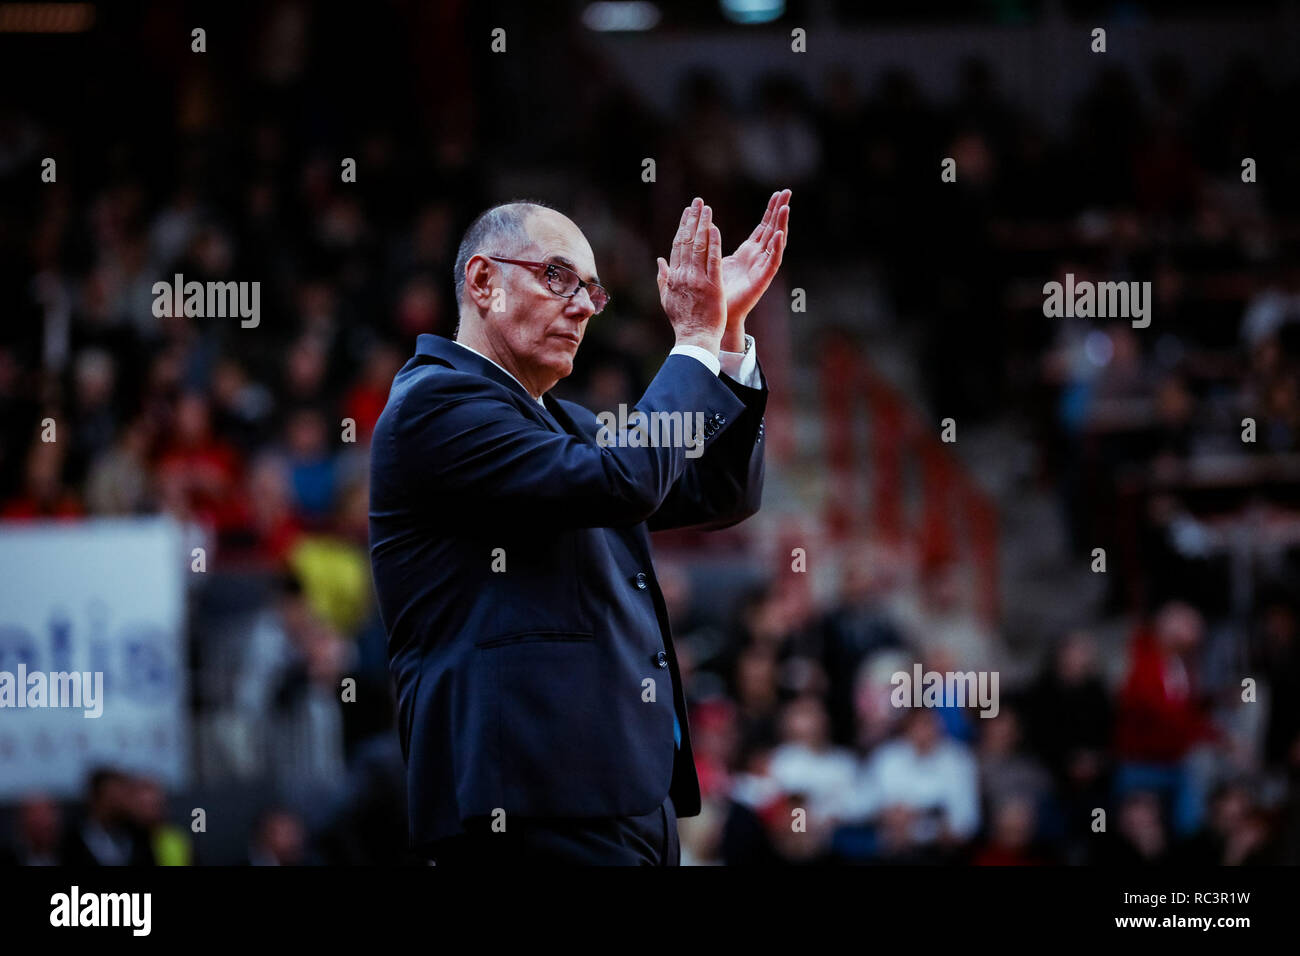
(77, 852)
(521, 689)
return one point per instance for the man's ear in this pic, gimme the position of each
(480, 280)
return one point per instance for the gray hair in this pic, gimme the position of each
(501, 230)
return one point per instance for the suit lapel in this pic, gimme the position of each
(565, 422)
(549, 417)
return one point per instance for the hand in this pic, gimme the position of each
(748, 271)
(690, 283)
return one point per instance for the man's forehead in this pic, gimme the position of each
(555, 235)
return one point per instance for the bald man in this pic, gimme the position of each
(540, 707)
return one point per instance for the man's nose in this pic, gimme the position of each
(582, 299)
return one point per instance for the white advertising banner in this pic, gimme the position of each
(93, 667)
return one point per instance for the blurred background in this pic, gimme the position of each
(903, 301)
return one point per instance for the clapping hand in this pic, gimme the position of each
(748, 271)
(690, 282)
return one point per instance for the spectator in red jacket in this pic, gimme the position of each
(44, 494)
(1161, 718)
(366, 399)
(204, 468)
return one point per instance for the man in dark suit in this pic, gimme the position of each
(111, 834)
(540, 707)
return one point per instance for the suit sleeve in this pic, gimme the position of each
(724, 485)
(461, 442)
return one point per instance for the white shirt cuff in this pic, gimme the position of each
(742, 366)
(704, 355)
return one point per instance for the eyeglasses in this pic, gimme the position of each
(564, 282)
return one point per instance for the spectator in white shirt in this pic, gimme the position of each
(806, 763)
(931, 777)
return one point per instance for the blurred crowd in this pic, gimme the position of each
(255, 439)
(124, 823)
(806, 757)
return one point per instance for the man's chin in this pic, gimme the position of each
(562, 366)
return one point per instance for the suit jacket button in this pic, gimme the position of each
(641, 580)
(661, 659)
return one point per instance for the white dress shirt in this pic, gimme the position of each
(742, 366)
